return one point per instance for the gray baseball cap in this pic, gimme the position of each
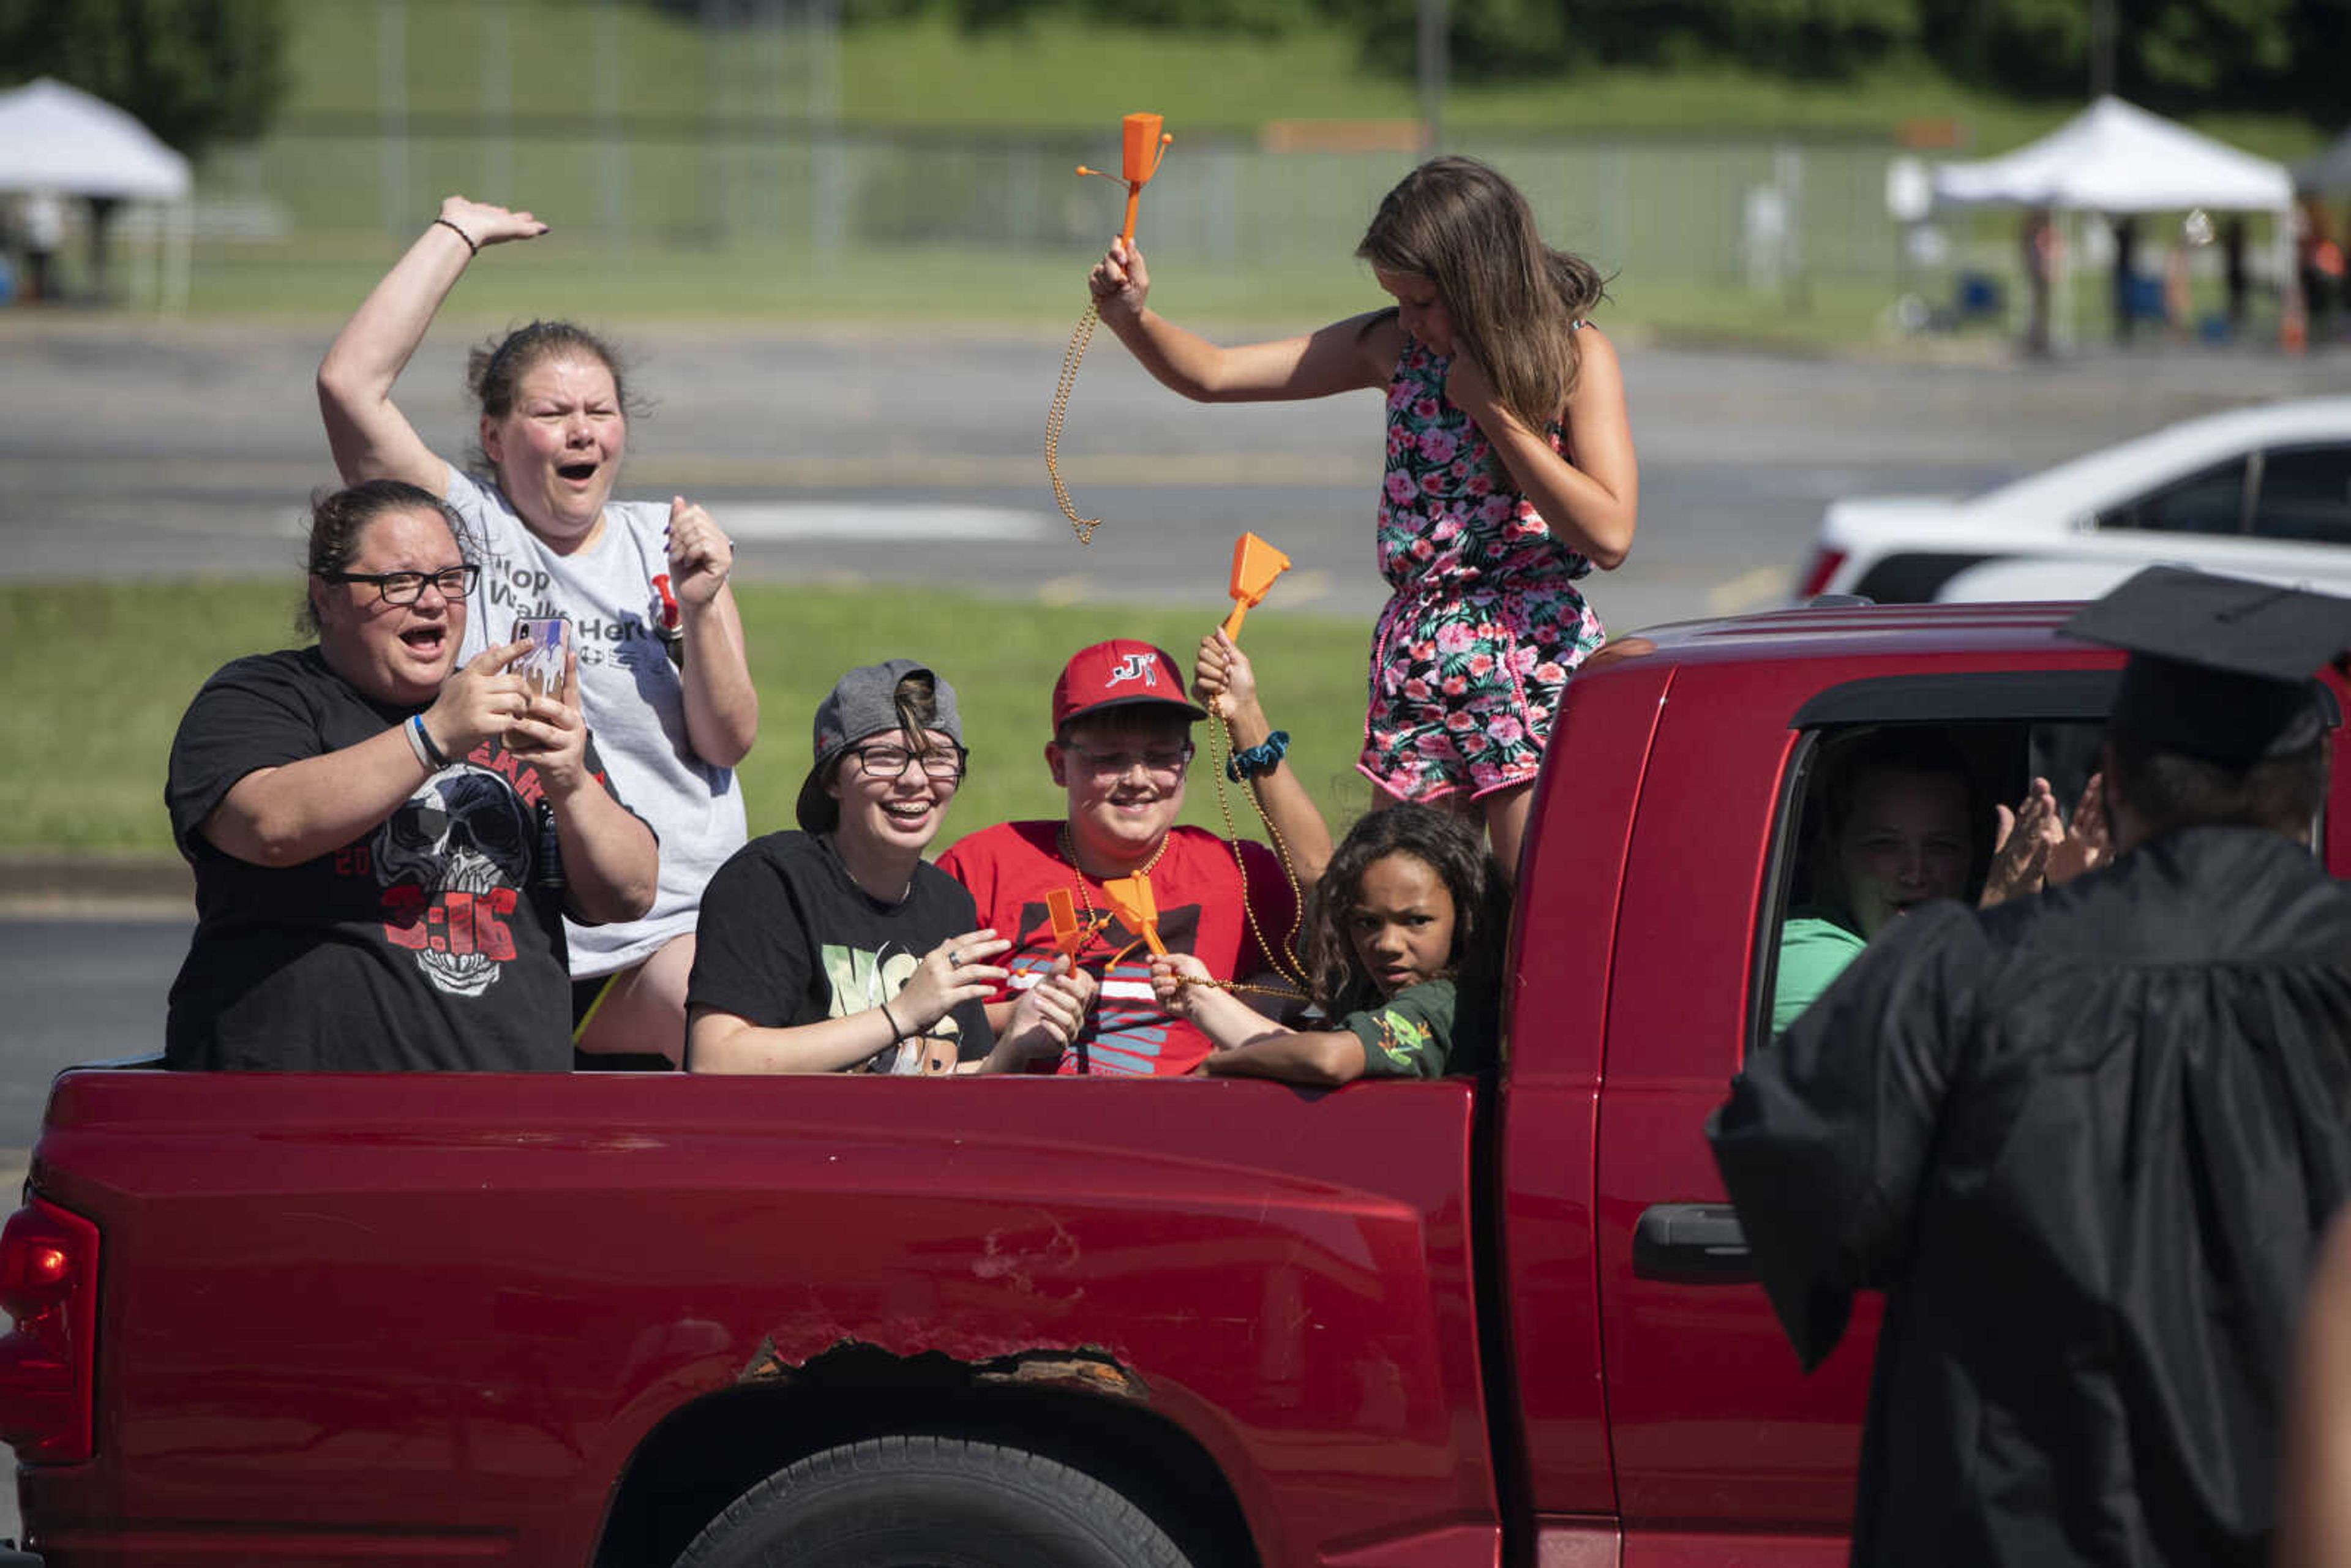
(860, 703)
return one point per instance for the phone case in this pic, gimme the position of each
(542, 664)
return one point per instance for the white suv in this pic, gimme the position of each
(2261, 492)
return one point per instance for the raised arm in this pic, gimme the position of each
(371, 438)
(1225, 681)
(1339, 358)
(1592, 498)
(285, 815)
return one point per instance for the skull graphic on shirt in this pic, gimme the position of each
(463, 842)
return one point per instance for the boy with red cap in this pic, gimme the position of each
(1122, 744)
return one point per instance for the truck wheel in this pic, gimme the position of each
(931, 1502)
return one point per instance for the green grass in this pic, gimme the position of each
(104, 670)
(915, 286)
(936, 287)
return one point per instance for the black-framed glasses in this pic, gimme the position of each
(408, 587)
(887, 759)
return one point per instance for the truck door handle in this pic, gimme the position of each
(1691, 1244)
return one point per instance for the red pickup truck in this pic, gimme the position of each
(611, 1320)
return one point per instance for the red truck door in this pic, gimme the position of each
(1725, 1453)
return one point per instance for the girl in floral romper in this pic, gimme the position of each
(1510, 473)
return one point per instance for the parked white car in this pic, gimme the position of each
(2262, 492)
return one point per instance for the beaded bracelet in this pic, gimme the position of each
(1250, 761)
(461, 234)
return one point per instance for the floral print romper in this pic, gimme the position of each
(1475, 647)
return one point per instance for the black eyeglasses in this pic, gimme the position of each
(886, 760)
(408, 587)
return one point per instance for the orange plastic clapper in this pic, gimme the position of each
(1138, 160)
(1139, 153)
(1063, 910)
(1130, 900)
(1255, 566)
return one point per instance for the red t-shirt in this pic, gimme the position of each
(1008, 869)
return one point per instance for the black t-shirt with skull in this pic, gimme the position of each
(432, 940)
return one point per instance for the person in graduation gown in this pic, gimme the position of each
(2085, 1143)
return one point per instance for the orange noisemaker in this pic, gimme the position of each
(1143, 146)
(1130, 900)
(1255, 566)
(1063, 910)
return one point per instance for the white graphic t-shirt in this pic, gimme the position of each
(630, 693)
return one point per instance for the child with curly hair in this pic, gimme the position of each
(1403, 945)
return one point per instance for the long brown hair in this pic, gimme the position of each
(1513, 299)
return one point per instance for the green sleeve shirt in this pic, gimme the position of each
(1813, 951)
(1416, 1033)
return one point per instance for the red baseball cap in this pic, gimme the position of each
(1121, 673)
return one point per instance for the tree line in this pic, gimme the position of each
(2173, 56)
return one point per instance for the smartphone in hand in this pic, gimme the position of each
(541, 664)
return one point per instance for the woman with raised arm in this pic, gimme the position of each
(663, 677)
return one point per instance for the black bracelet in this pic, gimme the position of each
(461, 234)
(897, 1035)
(432, 752)
(1251, 761)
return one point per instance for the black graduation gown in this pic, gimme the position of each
(2085, 1143)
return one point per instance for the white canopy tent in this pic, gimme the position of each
(59, 139)
(2115, 157)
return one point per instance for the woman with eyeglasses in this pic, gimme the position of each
(384, 844)
(838, 948)
(664, 680)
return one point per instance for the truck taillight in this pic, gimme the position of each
(1818, 572)
(48, 1285)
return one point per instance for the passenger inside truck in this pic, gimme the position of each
(1896, 815)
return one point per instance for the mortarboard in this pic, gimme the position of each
(2219, 667)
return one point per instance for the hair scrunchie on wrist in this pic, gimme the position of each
(1251, 761)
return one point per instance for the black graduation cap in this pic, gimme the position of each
(2220, 668)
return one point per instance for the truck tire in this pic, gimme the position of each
(931, 1502)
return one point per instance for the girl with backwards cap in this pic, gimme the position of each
(838, 948)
